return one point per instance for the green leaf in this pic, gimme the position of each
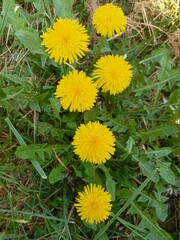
(30, 40)
(148, 223)
(56, 174)
(55, 104)
(161, 211)
(23, 144)
(90, 115)
(17, 80)
(124, 207)
(71, 125)
(130, 143)
(34, 105)
(91, 174)
(160, 207)
(63, 8)
(16, 133)
(6, 9)
(159, 152)
(167, 174)
(111, 187)
(160, 131)
(156, 55)
(32, 150)
(165, 66)
(116, 124)
(39, 5)
(147, 167)
(38, 168)
(133, 228)
(171, 77)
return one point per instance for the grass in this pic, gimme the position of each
(40, 175)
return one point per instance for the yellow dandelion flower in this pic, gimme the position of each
(76, 91)
(109, 19)
(113, 74)
(93, 204)
(94, 143)
(66, 40)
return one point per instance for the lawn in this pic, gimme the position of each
(89, 120)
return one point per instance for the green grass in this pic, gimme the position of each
(40, 175)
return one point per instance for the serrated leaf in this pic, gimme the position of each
(56, 174)
(30, 151)
(159, 152)
(116, 124)
(55, 104)
(160, 207)
(23, 144)
(124, 207)
(111, 187)
(167, 174)
(156, 55)
(17, 80)
(150, 224)
(90, 115)
(63, 8)
(161, 211)
(34, 105)
(147, 167)
(30, 40)
(130, 143)
(91, 174)
(172, 77)
(161, 131)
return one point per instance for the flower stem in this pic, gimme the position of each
(63, 68)
(96, 56)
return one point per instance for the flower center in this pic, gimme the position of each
(95, 142)
(93, 205)
(114, 74)
(66, 39)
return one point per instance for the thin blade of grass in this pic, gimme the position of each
(12, 219)
(22, 142)
(4, 20)
(131, 227)
(161, 233)
(16, 133)
(131, 199)
(65, 203)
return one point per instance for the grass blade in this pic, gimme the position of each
(16, 133)
(131, 227)
(131, 199)
(22, 142)
(4, 19)
(154, 228)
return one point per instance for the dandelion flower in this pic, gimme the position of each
(113, 74)
(94, 143)
(66, 40)
(109, 19)
(76, 91)
(93, 204)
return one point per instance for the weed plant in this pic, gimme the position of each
(40, 176)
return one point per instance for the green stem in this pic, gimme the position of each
(96, 56)
(63, 68)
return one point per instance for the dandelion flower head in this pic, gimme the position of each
(113, 73)
(93, 204)
(76, 91)
(66, 40)
(109, 19)
(94, 143)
